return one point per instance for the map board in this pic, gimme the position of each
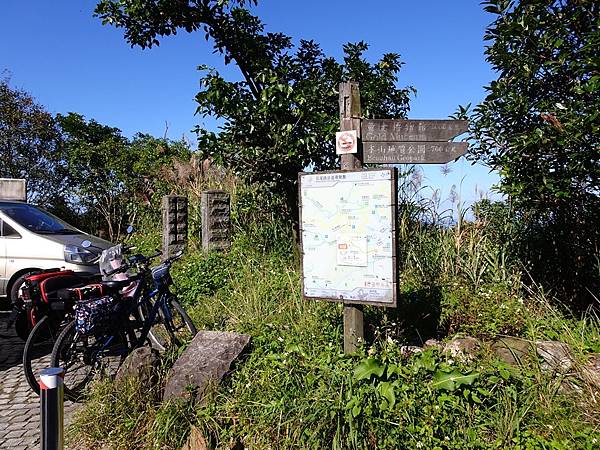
(347, 221)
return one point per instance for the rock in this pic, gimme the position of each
(408, 350)
(207, 360)
(432, 343)
(590, 372)
(512, 350)
(462, 347)
(142, 364)
(557, 356)
(195, 441)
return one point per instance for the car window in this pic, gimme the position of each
(7, 231)
(36, 219)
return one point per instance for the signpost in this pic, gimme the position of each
(346, 237)
(348, 232)
(13, 189)
(395, 141)
(412, 152)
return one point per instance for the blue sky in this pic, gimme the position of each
(68, 61)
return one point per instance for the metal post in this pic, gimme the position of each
(350, 116)
(52, 408)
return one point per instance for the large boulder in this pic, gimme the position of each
(591, 371)
(208, 358)
(512, 350)
(556, 356)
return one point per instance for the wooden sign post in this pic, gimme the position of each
(354, 329)
(388, 141)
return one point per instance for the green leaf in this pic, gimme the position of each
(368, 368)
(450, 381)
(386, 390)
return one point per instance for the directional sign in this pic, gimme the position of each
(395, 141)
(395, 130)
(412, 152)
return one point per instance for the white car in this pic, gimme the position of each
(32, 239)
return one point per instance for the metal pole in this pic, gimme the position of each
(52, 408)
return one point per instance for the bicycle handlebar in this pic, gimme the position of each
(134, 260)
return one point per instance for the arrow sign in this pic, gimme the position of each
(412, 152)
(396, 130)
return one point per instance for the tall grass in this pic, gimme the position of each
(297, 390)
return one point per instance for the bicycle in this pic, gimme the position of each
(86, 349)
(47, 303)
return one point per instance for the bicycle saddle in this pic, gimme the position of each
(115, 285)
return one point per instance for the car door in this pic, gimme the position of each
(8, 235)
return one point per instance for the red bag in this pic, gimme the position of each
(44, 288)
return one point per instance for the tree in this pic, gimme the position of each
(540, 127)
(112, 177)
(281, 118)
(30, 146)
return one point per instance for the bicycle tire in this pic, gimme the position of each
(62, 353)
(165, 333)
(185, 324)
(40, 343)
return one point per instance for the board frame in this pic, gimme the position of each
(394, 207)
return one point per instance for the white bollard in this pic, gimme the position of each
(52, 408)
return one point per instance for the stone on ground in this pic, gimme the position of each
(464, 348)
(591, 371)
(195, 441)
(556, 356)
(512, 350)
(141, 364)
(206, 361)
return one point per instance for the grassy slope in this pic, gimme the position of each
(296, 389)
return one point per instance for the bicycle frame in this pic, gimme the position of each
(132, 325)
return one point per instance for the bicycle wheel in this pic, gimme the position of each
(86, 358)
(172, 325)
(38, 349)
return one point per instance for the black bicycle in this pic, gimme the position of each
(88, 349)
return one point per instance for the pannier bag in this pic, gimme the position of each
(44, 285)
(43, 289)
(94, 315)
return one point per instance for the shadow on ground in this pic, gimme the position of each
(11, 346)
(415, 319)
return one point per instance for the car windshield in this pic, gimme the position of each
(37, 220)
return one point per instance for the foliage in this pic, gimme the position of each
(202, 275)
(485, 313)
(539, 126)
(296, 389)
(282, 117)
(30, 146)
(111, 176)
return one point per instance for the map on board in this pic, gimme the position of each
(348, 243)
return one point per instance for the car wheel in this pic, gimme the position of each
(16, 287)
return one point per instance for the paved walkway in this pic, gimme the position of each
(19, 405)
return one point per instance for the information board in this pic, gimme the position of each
(347, 222)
